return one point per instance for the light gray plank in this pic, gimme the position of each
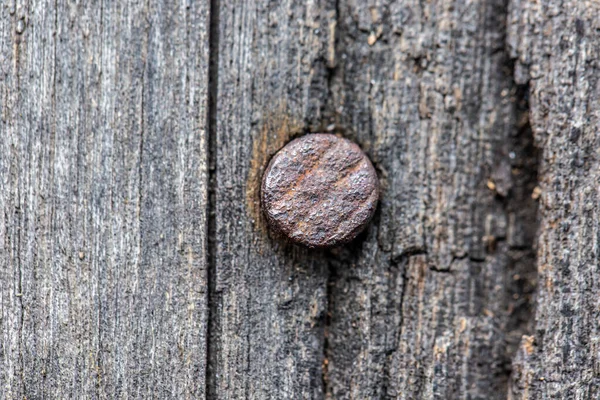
(103, 166)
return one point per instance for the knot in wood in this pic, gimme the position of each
(320, 190)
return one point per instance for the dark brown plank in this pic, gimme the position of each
(429, 305)
(103, 197)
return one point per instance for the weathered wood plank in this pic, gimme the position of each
(103, 199)
(557, 48)
(268, 299)
(428, 306)
(104, 259)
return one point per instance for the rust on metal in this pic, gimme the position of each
(320, 190)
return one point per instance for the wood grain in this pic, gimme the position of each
(103, 197)
(135, 261)
(557, 50)
(269, 298)
(430, 303)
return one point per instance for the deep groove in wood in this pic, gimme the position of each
(522, 268)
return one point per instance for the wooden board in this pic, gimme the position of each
(134, 258)
(268, 299)
(557, 47)
(431, 303)
(103, 195)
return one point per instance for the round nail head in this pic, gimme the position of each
(320, 190)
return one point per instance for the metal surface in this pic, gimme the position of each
(320, 190)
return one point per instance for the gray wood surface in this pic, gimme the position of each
(557, 47)
(134, 258)
(269, 299)
(103, 176)
(430, 304)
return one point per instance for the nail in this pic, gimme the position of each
(320, 191)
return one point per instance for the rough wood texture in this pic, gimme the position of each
(135, 261)
(268, 299)
(430, 305)
(557, 48)
(103, 199)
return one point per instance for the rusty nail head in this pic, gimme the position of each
(320, 190)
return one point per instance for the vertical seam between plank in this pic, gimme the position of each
(211, 224)
(330, 268)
